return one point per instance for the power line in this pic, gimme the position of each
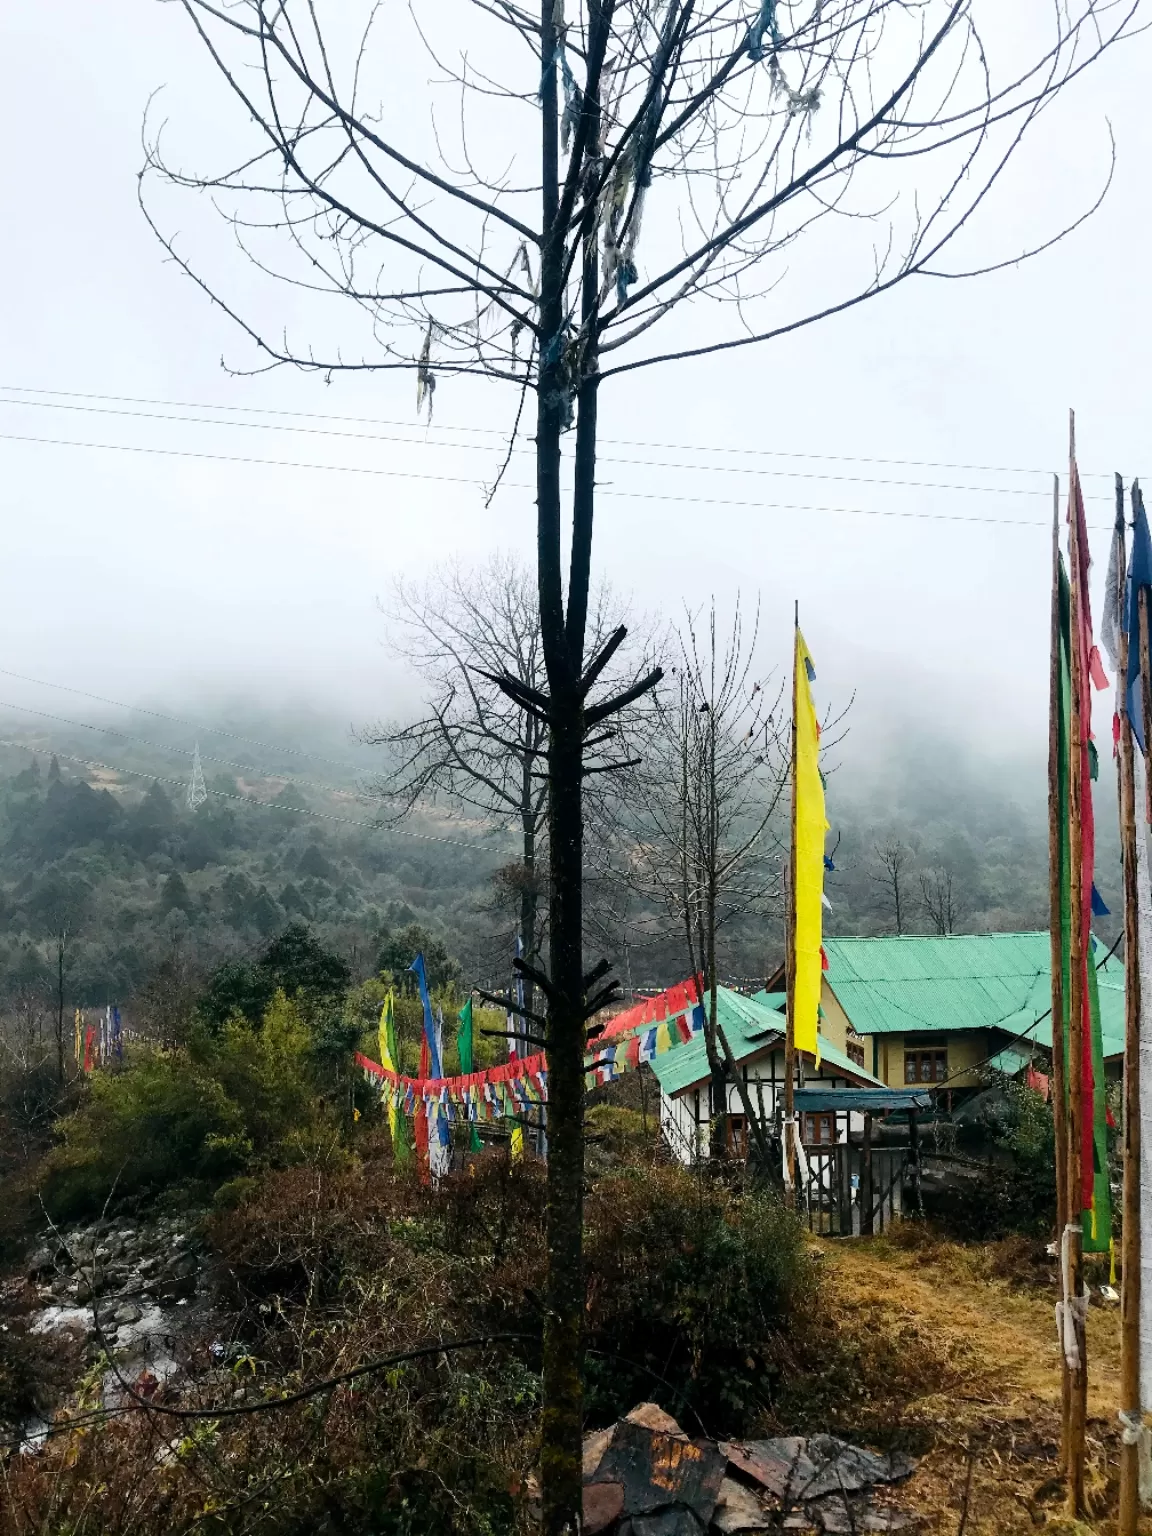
(399, 474)
(617, 442)
(157, 714)
(217, 794)
(722, 469)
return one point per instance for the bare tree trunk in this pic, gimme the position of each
(563, 1352)
(529, 897)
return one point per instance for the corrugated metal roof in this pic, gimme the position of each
(749, 1026)
(912, 985)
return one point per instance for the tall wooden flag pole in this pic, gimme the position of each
(1130, 1296)
(1057, 755)
(790, 942)
(1072, 1240)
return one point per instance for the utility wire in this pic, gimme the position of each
(616, 442)
(296, 810)
(713, 469)
(399, 474)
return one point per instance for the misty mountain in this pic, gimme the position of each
(113, 858)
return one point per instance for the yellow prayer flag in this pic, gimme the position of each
(517, 1142)
(808, 860)
(389, 1060)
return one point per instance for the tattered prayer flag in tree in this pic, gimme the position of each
(465, 1039)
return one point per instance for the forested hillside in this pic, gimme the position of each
(142, 892)
(147, 897)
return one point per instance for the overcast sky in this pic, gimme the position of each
(153, 577)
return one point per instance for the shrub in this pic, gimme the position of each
(690, 1285)
(163, 1121)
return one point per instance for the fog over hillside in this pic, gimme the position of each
(288, 834)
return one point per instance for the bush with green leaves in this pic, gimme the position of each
(164, 1121)
(231, 1100)
(692, 1287)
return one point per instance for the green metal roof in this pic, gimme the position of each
(913, 985)
(749, 1025)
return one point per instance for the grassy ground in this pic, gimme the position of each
(976, 1379)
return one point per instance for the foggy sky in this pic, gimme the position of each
(149, 578)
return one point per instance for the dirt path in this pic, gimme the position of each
(975, 1377)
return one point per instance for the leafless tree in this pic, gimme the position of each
(703, 803)
(603, 173)
(462, 631)
(937, 888)
(893, 858)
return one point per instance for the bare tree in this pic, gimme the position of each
(703, 803)
(608, 169)
(937, 888)
(462, 631)
(893, 857)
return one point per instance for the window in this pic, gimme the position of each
(854, 1050)
(737, 1137)
(819, 1130)
(925, 1066)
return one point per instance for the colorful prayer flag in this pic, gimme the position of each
(1095, 1193)
(390, 1060)
(465, 1042)
(807, 859)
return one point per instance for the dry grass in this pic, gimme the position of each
(958, 1354)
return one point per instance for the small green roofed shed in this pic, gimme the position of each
(937, 1009)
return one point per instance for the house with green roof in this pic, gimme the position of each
(935, 1011)
(754, 1028)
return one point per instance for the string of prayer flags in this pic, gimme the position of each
(509, 1089)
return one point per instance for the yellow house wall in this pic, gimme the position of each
(834, 1025)
(966, 1049)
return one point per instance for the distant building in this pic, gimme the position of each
(934, 1012)
(754, 1029)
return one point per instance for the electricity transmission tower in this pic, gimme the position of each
(197, 789)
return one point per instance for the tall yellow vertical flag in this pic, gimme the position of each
(390, 1061)
(808, 859)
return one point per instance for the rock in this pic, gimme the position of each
(603, 1506)
(40, 1263)
(652, 1416)
(180, 1267)
(170, 1292)
(127, 1312)
(738, 1509)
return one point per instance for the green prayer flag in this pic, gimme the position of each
(465, 1045)
(1097, 1222)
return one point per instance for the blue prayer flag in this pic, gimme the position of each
(1139, 575)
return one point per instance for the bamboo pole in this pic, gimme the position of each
(790, 958)
(1073, 1238)
(1055, 842)
(1130, 1250)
